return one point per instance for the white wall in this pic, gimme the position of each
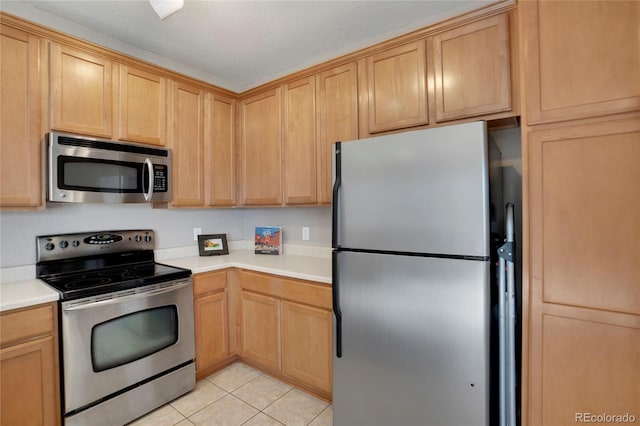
(173, 227)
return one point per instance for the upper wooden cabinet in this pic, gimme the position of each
(81, 92)
(219, 148)
(143, 106)
(337, 118)
(582, 59)
(187, 145)
(299, 142)
(396, 80)
(261, 149)
(472, 69)
(21, 133)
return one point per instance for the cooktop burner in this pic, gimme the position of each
(123, 260)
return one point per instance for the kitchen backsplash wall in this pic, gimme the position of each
(173, 228)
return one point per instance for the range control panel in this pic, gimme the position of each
(67, 246)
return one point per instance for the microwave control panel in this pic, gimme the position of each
(160, 178)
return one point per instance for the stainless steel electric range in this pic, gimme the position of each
(126, 324)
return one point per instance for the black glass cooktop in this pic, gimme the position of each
(107, 280)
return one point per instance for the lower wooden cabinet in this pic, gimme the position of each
(30, 393)
(211, 321)
(261, 329)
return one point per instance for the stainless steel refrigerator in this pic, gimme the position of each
(411, 279)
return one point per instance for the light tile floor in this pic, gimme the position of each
(240, 395)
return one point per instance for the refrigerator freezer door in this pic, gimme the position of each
(424, 191)
(415, 342)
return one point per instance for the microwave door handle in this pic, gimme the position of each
(149, 166)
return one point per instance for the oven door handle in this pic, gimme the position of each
(149, 166)
(98, 301)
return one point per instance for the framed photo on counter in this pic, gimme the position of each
(213, 244)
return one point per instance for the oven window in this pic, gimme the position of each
(131, 337)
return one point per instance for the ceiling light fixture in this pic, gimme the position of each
(165, 8)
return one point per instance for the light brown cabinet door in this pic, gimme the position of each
(81, 92)
(220, 170)
(337, 118)
(397, 93)
(574, 69)
(261, 329)
(307, 341)
(584, 326)
(20, 120)
(261, 149)
(29, 385)
(143, 106)
(472, 74)
(187, 146)
(299, 142)
(212, 330)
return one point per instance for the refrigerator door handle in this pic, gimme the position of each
(336, 301)
(334, 199)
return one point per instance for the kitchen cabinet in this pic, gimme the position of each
(29, 366)
(187, 145)
(577, 70)
(211, 313)
(81, 91)
(261, 149)
(306, 342)
(396, 81)
(23, 85)
(337, 118)
(286, 328)
(261, 329)
(219, 148)
(584, 322)
(299, 142)
(142, 106)
(472, 69)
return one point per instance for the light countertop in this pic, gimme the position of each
(28, 292)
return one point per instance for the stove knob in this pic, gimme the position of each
(64, 244)
(49, 246)
(147, 238)
(75, 243)
(138, 238)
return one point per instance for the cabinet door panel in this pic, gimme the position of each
(586, 215)
(575, 70)
(397, 94)
(300, 142)
(212, 336)
(29, 384)
(338, 118)
(261, 150)
(261, 329)
(81, 92)
(307, 341)
(472, 69)
(220, 152)
(187, 146)
(20, 120)
(143, 106)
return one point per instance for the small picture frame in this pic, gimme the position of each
(213, 244)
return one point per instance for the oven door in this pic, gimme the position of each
(114, 341)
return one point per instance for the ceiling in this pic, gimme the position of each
(239, 44)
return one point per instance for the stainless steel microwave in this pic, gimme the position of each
(88, 170)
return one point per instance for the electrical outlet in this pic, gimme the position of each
(196, 232)
(305, 233)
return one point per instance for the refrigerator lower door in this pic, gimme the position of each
(415, 341)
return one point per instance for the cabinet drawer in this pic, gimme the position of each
(24, 324)
(209, 282)
(318, 295)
